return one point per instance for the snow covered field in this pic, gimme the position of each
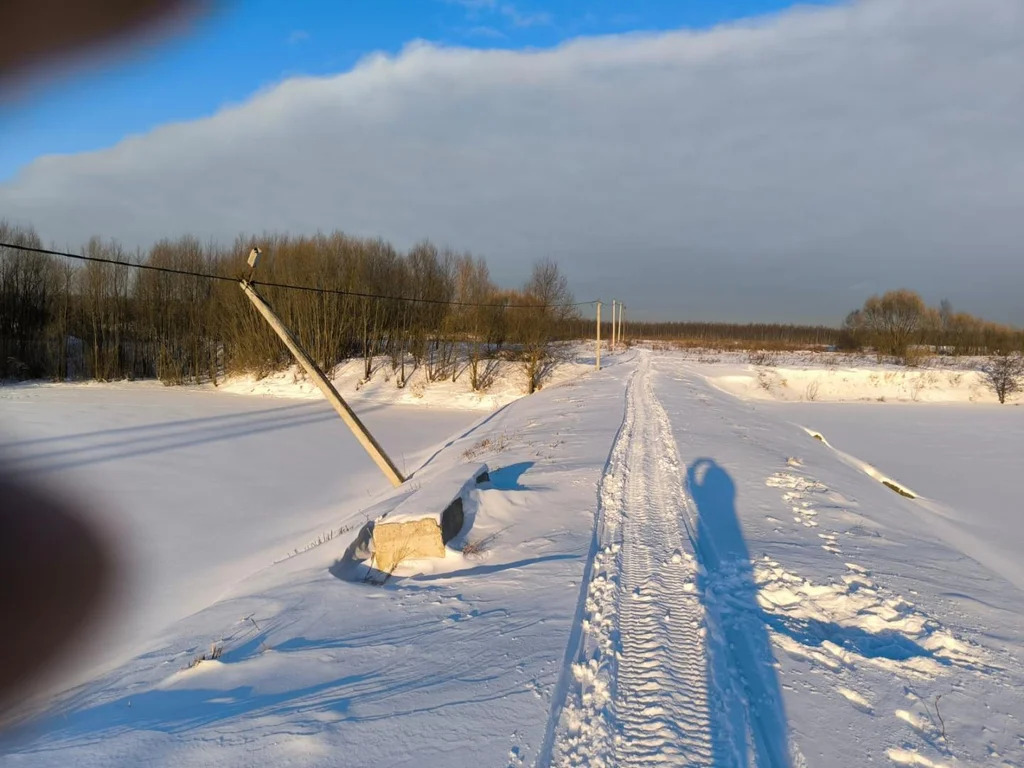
(670, 575)
(960, 459)
(200, 489)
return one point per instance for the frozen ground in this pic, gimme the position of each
(672, 576)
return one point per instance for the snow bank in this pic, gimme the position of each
(856, 384)
(509, 383)
(953, 458)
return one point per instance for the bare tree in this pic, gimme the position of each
(474, 286)
(1004, 374)
(105, 294)
(895, 321)
(548, 306)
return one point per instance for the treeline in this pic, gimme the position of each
(742, 336)
(900, 324)
(66, 319)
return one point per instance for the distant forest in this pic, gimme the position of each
(742, 336)
(65, 319)
(897, 324)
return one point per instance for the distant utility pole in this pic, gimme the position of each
(614, 304)
(362, 434)
(622, 321)
(598, 336)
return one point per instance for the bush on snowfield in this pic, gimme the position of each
(1004, 374)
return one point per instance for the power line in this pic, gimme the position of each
(286, 286)
(101, 260)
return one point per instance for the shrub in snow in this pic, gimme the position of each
(216, 650)
(1004, 374)
(762, 357)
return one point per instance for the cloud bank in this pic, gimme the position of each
(783, 168)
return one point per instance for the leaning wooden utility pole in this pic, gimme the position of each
(320, 379)
(598, 336)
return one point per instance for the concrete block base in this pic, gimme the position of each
(411, 532)
(408, 540)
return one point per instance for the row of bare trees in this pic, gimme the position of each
(65, 319)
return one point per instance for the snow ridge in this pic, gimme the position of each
(641, 693)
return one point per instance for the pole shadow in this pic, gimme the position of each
(99, 454)
(746, 709)
(124, 434)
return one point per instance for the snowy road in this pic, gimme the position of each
(746, 611)
(665, 675)
(641, 683)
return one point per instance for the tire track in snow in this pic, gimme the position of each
(640, 693)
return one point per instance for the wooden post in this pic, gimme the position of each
(347, 414)
(599, 335)
(614, 304)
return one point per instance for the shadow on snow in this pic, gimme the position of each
(745, 696)
(509, 478)
(131, 442)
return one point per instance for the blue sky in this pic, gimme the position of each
(247, 46)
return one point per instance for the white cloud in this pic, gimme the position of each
(522, 19)
(511, 13)
(774, 169)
